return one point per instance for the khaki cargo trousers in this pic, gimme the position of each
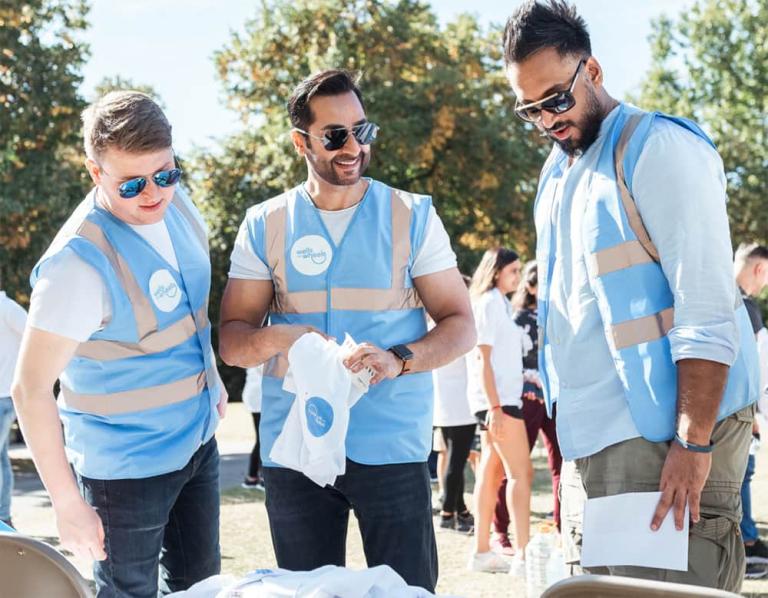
(716, 550)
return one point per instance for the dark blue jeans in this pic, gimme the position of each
(392, 504)
(168, 523)
(748, 528)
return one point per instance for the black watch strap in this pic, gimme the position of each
(404, 353)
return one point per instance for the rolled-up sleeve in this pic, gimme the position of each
(680, 190)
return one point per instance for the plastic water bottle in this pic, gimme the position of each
(538, 554)
(556, 566)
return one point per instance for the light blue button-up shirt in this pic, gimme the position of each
(679, 187)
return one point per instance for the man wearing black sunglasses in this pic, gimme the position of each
(338, 254)
(119, 315)
(645, 346)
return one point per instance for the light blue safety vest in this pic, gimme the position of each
(135, 400)
(633, 295)
(362, 287)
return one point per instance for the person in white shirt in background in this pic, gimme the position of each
(455, 431)
(12, 321)
(495, 368)
(750, 268)
(252, 400)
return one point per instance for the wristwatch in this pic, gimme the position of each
(404, 353)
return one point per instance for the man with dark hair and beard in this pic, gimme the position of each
(645, 345)
(340, 254)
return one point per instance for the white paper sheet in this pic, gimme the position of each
(617, 531)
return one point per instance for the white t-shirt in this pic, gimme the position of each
(12, 320)
(71, 298)
(434, 255)
(252, 388)
(496, 327)
(451, 403)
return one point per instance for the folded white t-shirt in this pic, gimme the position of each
(313, 438)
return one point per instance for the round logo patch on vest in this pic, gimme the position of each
(311, 255)
(165, 293)
(319, 416)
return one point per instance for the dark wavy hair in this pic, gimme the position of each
(536, 25)
(331, 82)
(523, 298)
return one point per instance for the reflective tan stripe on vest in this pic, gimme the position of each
(134, 400)
(199, 231)
(397, 297)
(155, 342)
(146, 322)
(633, 253)
(629, 254)
(643, 330)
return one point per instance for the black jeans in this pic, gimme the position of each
(392, 505)
(170, 520)
(458, 441)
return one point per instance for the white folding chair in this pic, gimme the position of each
(614, 586)
(31, 568)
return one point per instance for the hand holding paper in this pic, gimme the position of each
(617, 533)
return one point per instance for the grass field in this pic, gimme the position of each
(246, 543)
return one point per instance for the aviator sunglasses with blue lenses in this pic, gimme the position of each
(133, 187)
(334, 139)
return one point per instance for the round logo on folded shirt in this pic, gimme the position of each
(164, 290)
(311, 255)
(319, 416)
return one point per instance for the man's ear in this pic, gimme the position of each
(759, 269)
(593, 71)
(94, 170)
(299, 142)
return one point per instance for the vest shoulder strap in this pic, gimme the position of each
(180, 199)
(630, 207)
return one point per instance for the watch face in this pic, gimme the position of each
(402, 352)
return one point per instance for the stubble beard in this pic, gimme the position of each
(326, 170)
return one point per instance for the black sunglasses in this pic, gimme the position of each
(133, 187)
(556, 103)
(334, 139)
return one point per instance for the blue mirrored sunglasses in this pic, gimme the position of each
(162, 178)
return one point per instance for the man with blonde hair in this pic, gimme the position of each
(119, 315)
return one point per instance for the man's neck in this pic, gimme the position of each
(607, 104)
(746, 284)
(334, 197)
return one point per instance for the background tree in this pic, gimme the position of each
(711, 64)
(438, 93)
(41, 174)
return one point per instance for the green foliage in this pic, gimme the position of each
(41, 177)
(438, 92)
(712, 65)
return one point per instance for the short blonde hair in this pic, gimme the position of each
(127, 120)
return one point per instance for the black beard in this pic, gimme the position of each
(326, 171)
(589, 128)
